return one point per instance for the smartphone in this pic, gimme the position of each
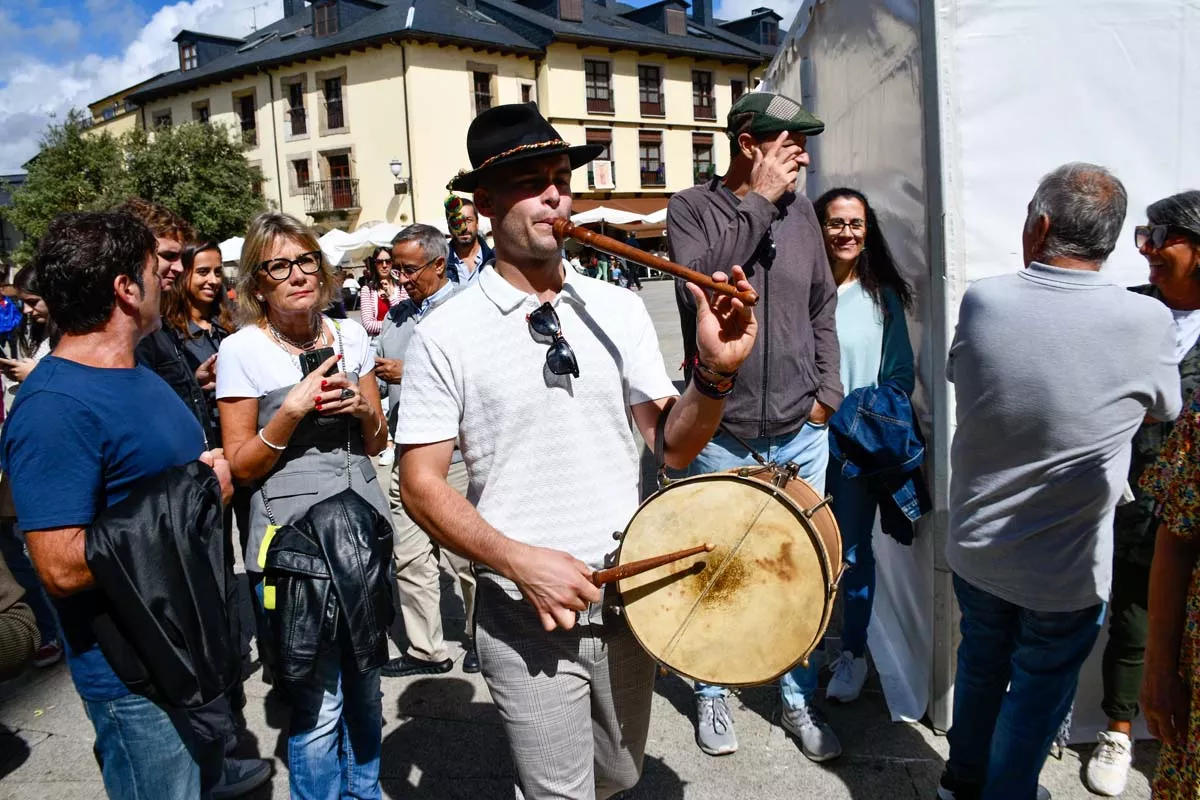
(311, 359)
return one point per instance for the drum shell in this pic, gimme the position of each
(759, 603)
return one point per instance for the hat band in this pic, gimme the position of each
(521, 149)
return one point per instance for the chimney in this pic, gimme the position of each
(289, 7)
(702, 12)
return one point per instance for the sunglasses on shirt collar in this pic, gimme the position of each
(560, 358)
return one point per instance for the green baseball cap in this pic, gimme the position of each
(767, 113)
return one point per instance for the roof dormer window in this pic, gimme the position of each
(769, 32)
(187, 56)
(676, 22)
(325, 18)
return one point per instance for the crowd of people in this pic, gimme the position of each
(494, 384)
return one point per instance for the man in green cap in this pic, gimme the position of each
(789, 385)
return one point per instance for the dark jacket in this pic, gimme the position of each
(158, 559)
(454, 263)
(162, 353)
(873, 437)
(1135, 523)
(795, 357)
(328, 579)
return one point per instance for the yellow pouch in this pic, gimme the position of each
(269, 596)
(266, 542)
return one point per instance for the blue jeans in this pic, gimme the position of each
(336, 733)
(809, 449)
(141, 751)
(854, 508)
(12, 547)
(1017, 672)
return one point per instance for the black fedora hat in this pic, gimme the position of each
(510, 133)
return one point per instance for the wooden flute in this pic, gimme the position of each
(565, 229)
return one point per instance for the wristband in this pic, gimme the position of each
(713, 389)
(277, 448)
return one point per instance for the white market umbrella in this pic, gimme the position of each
(655, 217)
(603, 214)
(231, 249)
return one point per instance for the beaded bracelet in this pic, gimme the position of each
(717, 390)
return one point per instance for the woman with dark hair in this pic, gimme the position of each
(379, 291)
(873, 341)
(1155, 608)
(196, 312)
(37, 335)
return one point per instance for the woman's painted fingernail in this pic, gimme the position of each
(324, 384)
(318, 406)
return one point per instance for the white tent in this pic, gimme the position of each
(612, 216)
(945, 113)
(656, 217)
(231, 249)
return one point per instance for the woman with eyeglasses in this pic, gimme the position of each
(379, 291)
(874, 347)
(1154, 613)
(301, 428)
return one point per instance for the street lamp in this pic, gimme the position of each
(397, 166)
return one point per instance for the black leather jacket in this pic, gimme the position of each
(158, 559)
(162, 353)
(330, 580)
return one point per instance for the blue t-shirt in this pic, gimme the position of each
(77, 440)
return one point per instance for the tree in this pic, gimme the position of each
(198, 171)
(73, 171)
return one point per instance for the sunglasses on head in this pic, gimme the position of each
(560, 358)
(1157, 236)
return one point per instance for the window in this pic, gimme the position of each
(301, 173)
(325, 18)
(598, 86)
(334, 116)
(295, 99)
(570, 10)
(162, 119)
(702, 95)
(187, 57)
(737, 89)
(650, 91)
(650, 155)
(109, 112)
(769, 32)
(482, 83)
(200, 112)
(702, 157)
(676, 22)
(244, 105)
(527, 93)
(604, 139)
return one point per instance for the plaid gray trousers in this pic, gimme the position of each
(575, 704)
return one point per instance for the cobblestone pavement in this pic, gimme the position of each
(443, 740)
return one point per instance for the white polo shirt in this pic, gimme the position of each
(552, 459)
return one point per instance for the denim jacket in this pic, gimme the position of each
(874, 437)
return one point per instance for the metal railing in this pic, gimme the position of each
(335, 194)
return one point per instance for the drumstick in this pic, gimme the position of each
(564, 229)
(603, 576)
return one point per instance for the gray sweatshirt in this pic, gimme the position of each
(1054, 370)
(795, 358)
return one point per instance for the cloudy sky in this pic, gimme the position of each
(59, 54)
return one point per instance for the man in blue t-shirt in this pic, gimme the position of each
(87, 425)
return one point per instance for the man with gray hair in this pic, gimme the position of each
(419, 254)
(1054, 368)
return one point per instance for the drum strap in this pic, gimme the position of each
(753, 453)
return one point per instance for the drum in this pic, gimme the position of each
(755, 606)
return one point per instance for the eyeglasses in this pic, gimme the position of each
(409, 271)
(560, 358)
(281, 268)
(1158, 236)
(836, 225)
(380, 260)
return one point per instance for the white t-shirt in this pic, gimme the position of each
(552, 459)
(251, 363)
(1187, 331)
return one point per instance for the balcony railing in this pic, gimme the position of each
(336, 194)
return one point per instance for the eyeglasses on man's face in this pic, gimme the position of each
(280, 269)
(409, 271)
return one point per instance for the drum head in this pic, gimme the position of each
(743, 614)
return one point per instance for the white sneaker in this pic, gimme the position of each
(387, 457)
(1108, 769)
(849, 675)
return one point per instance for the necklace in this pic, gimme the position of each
(308, 345)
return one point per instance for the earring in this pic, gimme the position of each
(260, 297)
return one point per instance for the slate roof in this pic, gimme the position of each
(495, 24)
